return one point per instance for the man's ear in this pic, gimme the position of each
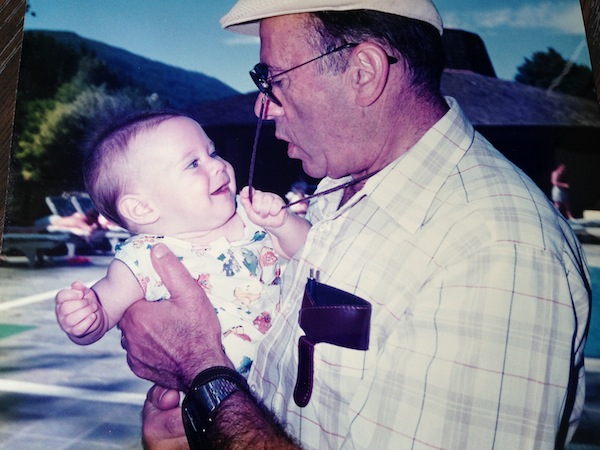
(137, 210)
(369, 72)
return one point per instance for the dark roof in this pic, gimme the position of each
(466, 51)
(493, 102)
(487, 101)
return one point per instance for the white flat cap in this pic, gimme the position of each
(245, 15)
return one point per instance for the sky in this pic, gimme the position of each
(187, 34)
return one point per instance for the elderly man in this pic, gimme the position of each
(452, 302)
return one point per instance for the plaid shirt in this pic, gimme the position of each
(480, 300)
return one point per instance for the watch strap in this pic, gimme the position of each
(209, 389)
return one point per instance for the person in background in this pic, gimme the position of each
(296, 195)
(77, 223)
(478, 289)
(560, 191)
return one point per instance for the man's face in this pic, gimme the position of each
(314, 104)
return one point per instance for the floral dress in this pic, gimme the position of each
(241, 279)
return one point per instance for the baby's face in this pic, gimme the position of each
(179, 171)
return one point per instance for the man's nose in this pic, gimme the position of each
(270, 109)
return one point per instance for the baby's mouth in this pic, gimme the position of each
(223, 189)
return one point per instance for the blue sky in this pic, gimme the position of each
(186, 33)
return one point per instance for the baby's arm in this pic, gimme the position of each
(87, 314)
(287, 230)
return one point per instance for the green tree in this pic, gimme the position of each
(549, 70)
(48, 150)
(62, 94)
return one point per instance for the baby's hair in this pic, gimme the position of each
(106, 151)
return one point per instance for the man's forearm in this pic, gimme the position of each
(241, 423)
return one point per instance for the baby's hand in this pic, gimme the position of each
(265, 209)
(76, 310)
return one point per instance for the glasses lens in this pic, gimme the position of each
(260, 76)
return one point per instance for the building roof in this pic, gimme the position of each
(486, 100)
(489, 101)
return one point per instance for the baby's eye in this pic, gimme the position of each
(214, 154)
(193, 165)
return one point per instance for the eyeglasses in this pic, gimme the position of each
(260, 76)
(260, 72)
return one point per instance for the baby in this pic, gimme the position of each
(157, 174)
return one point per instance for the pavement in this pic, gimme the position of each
(55, 394)
(58, 395)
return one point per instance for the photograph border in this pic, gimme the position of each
(12, 21)
(591, 20)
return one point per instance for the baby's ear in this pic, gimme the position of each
(137, 210)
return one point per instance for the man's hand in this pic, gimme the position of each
(162, 426)
(170, 342)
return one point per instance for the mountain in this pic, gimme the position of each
(180, 88)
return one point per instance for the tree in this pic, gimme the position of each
(549, 70)
(59, 101)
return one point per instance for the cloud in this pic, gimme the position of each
(242, 40)
(559, 17)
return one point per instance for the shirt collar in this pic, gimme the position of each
(407, 187)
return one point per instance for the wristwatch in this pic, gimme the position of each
(209, 389)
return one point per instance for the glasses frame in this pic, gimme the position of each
(260, 72)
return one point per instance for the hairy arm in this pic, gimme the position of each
(240, 423)
(243, 423)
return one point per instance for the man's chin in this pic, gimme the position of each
(312, 172)
(294, 152)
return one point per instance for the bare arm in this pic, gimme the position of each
(170, 343)
(287, 230)
(240, 422)
(555, 179)
(87, 314)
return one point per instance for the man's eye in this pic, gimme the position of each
(194, 164)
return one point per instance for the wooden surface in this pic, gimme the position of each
(591, 20)
(12, 17)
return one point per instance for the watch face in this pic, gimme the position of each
(219, 389)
